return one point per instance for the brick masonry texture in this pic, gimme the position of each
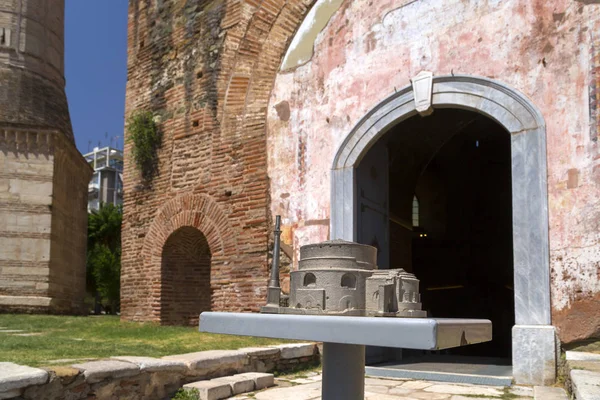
(43, 178)
(205, 68)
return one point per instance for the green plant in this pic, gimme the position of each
(104, 256)
(187, 394)
(145, 137)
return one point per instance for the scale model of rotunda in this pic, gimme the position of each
(341, 278)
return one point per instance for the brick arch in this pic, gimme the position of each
(256, 51)
(188, 210)
(195, 210)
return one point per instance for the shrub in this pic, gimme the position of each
(192, 394)
(145, 138)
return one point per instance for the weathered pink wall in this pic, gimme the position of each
(543, 48)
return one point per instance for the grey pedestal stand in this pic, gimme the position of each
(344, 339)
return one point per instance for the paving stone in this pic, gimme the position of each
(401, 391)
(150, 364)
(586, 384)
(301, 392)
(464, 390)
(27, 334)
(525, 391)
(15, 376)
(377, 389)
(261, 380)
(301, 381)
(210, 390)
(211, 359)
(296, 350)
(12, 331)
(582, 356)
(381, 382)
(95, 371)
(379, 396)
(549, 393)
(430, 395)
(416, 385)
(260, 351)
(239, 384)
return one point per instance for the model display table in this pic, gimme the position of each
(344, 339)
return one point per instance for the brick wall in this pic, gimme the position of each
(205, 68)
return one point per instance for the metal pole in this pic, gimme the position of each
(343, 372)
(274, 290)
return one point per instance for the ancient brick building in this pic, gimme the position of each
(43, 178)
(458, 137)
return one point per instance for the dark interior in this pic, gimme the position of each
(450, 218)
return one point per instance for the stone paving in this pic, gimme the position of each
(308, 387)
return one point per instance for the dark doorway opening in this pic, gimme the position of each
(185, 277)
(435, 197)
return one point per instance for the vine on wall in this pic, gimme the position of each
(145, 137)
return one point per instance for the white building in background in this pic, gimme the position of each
(106, 185)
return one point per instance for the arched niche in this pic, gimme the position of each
(526, 126)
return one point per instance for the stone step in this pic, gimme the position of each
(585, 384)
(582, 356)
(209, 390)
(549, 393)
(227, 386)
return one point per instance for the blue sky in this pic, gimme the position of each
(96, 69)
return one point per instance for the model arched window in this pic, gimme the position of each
(349, 281)
(415, 212)
(310, 279)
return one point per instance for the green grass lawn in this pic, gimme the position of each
(63, 337)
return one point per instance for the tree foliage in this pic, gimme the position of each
(145, 136)
(104, 254)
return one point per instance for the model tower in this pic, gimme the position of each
(43, 178)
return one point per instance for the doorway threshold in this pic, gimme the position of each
(447, 368)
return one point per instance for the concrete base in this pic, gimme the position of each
(534, 354)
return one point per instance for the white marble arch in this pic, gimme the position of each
(526, 125)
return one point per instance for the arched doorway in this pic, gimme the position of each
(185, 277)
(533, 338)
(445, 182)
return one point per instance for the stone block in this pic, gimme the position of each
(582, 356)
(549, 393)
(296, 350)
(534, 354)
(95, 371)
(211, 359)
(260, 351)
(10, 394)
(261, 380)
(471, 390)
(239, 383)
(585, 384)
(150, 364)
(210, 390)
(15, 377)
